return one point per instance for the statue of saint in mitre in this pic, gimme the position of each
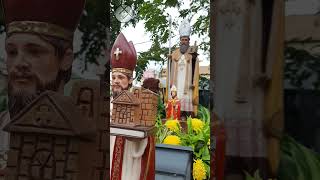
(184, 73)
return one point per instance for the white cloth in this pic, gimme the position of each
(133, 151)
(184, 97)
(131, 164)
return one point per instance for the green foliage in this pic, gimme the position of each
(204, 114)
(197, 140)
(155, 17)
(162, 131)
(93, 25)
(161, 109)
(297, 161)
(300, 66)
(156, 53)
(256, 176)
(204, 83)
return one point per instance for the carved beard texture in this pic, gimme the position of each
(117, 93)
(183, 48)
(21, 99)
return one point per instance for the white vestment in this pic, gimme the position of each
(184, 94)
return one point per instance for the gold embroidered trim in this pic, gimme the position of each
(39, 28)
(122, 70)
(116, 174)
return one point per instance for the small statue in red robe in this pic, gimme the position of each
(173, 106)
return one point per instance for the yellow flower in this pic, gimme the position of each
(208, 143)
(171, 139)
(197, 124)
(199, 171)
(173, 125)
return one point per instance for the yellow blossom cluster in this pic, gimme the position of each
(172, 140)
(173, 125)
(197, 125)
(199, 170)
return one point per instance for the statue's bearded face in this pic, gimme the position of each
(33, 67)
(184, 44)
(120, 82)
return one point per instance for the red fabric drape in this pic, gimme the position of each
(118, 152)
(148, 161)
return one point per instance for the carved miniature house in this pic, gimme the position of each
(126, 109)
(148, 104)
(92, 104)
(45, 137)
(135, 109)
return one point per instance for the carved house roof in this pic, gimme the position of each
(52, 113)
(126, 97)
(144, 90)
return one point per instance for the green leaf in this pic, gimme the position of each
(297, 161)
(255, 177)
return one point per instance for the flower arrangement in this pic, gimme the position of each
(196, 136)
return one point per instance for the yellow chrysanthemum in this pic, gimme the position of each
(199, 171)
(172, 125)
(197, 124)
(172, 140)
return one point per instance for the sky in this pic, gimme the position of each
(141, 39)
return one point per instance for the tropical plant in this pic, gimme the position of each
(162, 131)
(196, 136)
(297, 162)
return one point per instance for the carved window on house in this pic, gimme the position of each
(123, 114)
(85, 102)
(43, 115)
(130, 117)
(42, 165)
